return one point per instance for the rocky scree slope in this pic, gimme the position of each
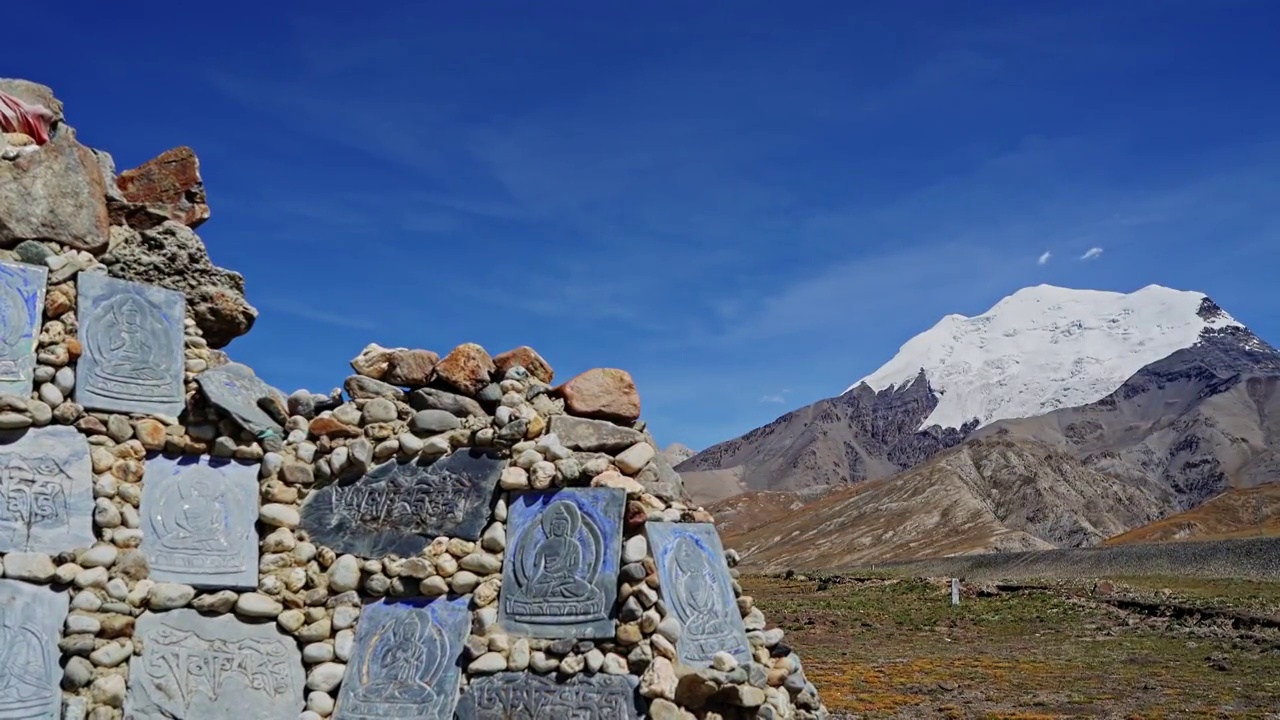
(110, 624)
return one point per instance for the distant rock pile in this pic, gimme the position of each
(446, 536)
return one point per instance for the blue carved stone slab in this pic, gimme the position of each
(695, 585)
(46, 491)
(399, 507)
(235, 389)
(406, 663)
(131, 346)
(526, 696)
(21, 310)
(560, 569)
(31, 618)
(198, 516)
(202, 667)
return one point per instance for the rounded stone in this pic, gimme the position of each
(326, 676)
(258, 605)
(431, 422)
(169, 596)
(378, 410)
(279, 515)
(344, 574)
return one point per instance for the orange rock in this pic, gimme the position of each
(73, 348)
(467, 368)
(327, 426)
(167, 187)
(529, 359)
(58, 301)
(602, 393)
(151, 433)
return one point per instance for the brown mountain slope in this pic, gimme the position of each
(996, 494)
(1195, 422)
(860, 435)
(1236, 513)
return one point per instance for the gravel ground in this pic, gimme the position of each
(1256, 558)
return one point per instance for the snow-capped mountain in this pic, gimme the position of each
(1149, 369)
(1044, 348)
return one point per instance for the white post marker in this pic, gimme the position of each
(955, 591)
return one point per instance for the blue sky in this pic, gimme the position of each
(748, 205)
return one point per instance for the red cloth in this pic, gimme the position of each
(17, 116)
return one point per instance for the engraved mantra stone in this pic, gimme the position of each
(46, 491)
(31, 616)
(21, 310)
(198, 517)
(400, 507)
(695, 585)
(235, 389)
(525, 696)
(560, 569)
(131, 340)
(198, 667)
(407, 661)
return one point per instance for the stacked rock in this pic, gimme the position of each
(441, 537)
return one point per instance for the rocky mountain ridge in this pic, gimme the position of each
(1181, 429)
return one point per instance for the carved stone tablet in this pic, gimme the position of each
(21, 309)
(696, 588)
(519, 695)
(46, 491)
(31, 617)
(560, 570)
(407, 661)
(202, 667)
(399, 507)
(198, 517)
(235, 389)
(131, 340)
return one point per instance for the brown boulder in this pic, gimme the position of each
(328, 426)
(410, 368)
(167, 187)
(467, 368)
(529, 359)
(55, 193)
(373, 361)
(602, 393)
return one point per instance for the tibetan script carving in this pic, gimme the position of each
(398, 507)
(198, 521)
(406, 664)
(695, 585)
(131, 335)
(560, 571)
(31, 617)
(198, 667)
(525, 696)
(235, 389)
(46, 491)
(21, 309)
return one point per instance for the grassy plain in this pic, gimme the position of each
(895, 647)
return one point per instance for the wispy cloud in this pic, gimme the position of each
(1092, 253)
(323, 316)
(1044, 258)
(776, 399)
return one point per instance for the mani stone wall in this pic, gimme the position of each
(443, 537)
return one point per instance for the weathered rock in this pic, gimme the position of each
(467, 368)
(432, 399)
(171, 255)
(661, 480)
(603, 393)
(410, 368)
(55, 193)
(525, 357)
(592, 435)
(167, 187)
